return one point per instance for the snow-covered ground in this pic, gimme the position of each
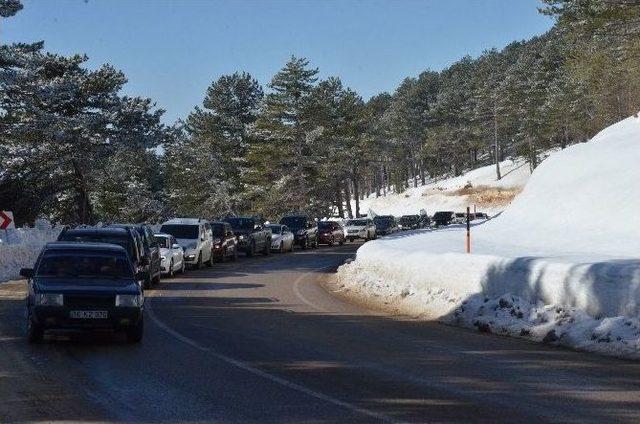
(561, 264)
(20, 248)
(479, 186)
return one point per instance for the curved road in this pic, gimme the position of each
(260, 341)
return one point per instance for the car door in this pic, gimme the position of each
(176, 252)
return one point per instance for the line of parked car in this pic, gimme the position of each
(93, 277)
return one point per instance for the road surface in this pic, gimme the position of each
(261, 341)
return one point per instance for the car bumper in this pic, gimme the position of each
(51, 317)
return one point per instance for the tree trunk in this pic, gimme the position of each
(356, 191)
(339, 200)
(85, 211)
(496, 143)
(422, 173)
(347, 195)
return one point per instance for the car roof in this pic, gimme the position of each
(98, 230)
(74, 245)
(184, 221)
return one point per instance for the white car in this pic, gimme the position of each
(362, 228)
(459, 218)
(195, 237)
(171, 254)
(281, 238)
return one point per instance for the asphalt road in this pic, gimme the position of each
(261, 341)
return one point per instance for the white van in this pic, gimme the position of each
(195, 237)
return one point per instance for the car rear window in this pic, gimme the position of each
(117, 239)
(181, 231)
(78, 264)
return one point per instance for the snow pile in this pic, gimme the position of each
(560, 265)
(20, 248)
(447, 194)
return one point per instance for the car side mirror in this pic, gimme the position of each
(27, 272)
(175, 246)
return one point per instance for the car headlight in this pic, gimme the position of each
(129, 300)
(49, 299)
(217, 246)
(190, 257)
(240, 237)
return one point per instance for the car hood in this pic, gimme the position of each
(79, 285)
(186, 242)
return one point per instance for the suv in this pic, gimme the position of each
(252, 236)
(410, 222)
(304, 229)
(443, 218)
(128, 238)
(225, 244)
(150, 246)
(385, 224)
(195, 238)
(361, 228)
(84, 286)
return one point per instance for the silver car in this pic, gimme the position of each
(281, 238)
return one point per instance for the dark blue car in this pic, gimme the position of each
(84, 286)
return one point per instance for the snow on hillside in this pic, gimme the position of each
(561, 264)
(489, 194)
(21, 247)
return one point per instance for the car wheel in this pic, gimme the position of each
(315, 243)
(235, 254)
(267, 248)
(134, 334)
(252, 249)
(281, 247)
(35, 332)
(171, 273)
(156, 279)
(341, 242)
(331, 241)
(209, 263)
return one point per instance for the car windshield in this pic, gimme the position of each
(461, 215)
(275, 229)
(74, 264)
(163, 242)
(294, 221)
(181, 231)
(241, 223)
(357, 222)
(218, 230)
(383, 222)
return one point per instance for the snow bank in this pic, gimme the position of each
(21, 247)
(561, 264)
(443, 194)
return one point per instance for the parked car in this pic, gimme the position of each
(171, 254)
(330, 232)
(251, 234)
(151, 249)
(194, 236)
(128, 238)
(459, 218)
(281, 238)
(304, 229)
(425, 221)
(443, 218)
(409, 222)
(84, 286)
(225, 244)
(362, 228)
(385, 224)
(481, 215)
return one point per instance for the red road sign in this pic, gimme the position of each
(6, 220)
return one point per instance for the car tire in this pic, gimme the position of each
(315, 243)
(305, 244)
(341, 242)
(209, 263)
(252, 249)
(267, 248)
(281, 247)
(171, 273)
(134, 334)
(331, 241)
(156, 279)
(35, 332)
(235, 254)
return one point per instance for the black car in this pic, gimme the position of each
(443, 217)
(84, 286)
(304, 229)
(150, 246)
(410, 222)
(425, 221)
(252, 236)
(385, 224)
(125, 237)
(225, 244)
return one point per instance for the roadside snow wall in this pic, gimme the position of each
(561, 259)
(20, 248)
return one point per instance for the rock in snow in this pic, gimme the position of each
(561, 264)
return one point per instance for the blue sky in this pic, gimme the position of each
(172, 50)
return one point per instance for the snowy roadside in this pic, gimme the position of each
(22, 247)
(557, 266)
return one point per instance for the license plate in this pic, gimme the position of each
(88, 314)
